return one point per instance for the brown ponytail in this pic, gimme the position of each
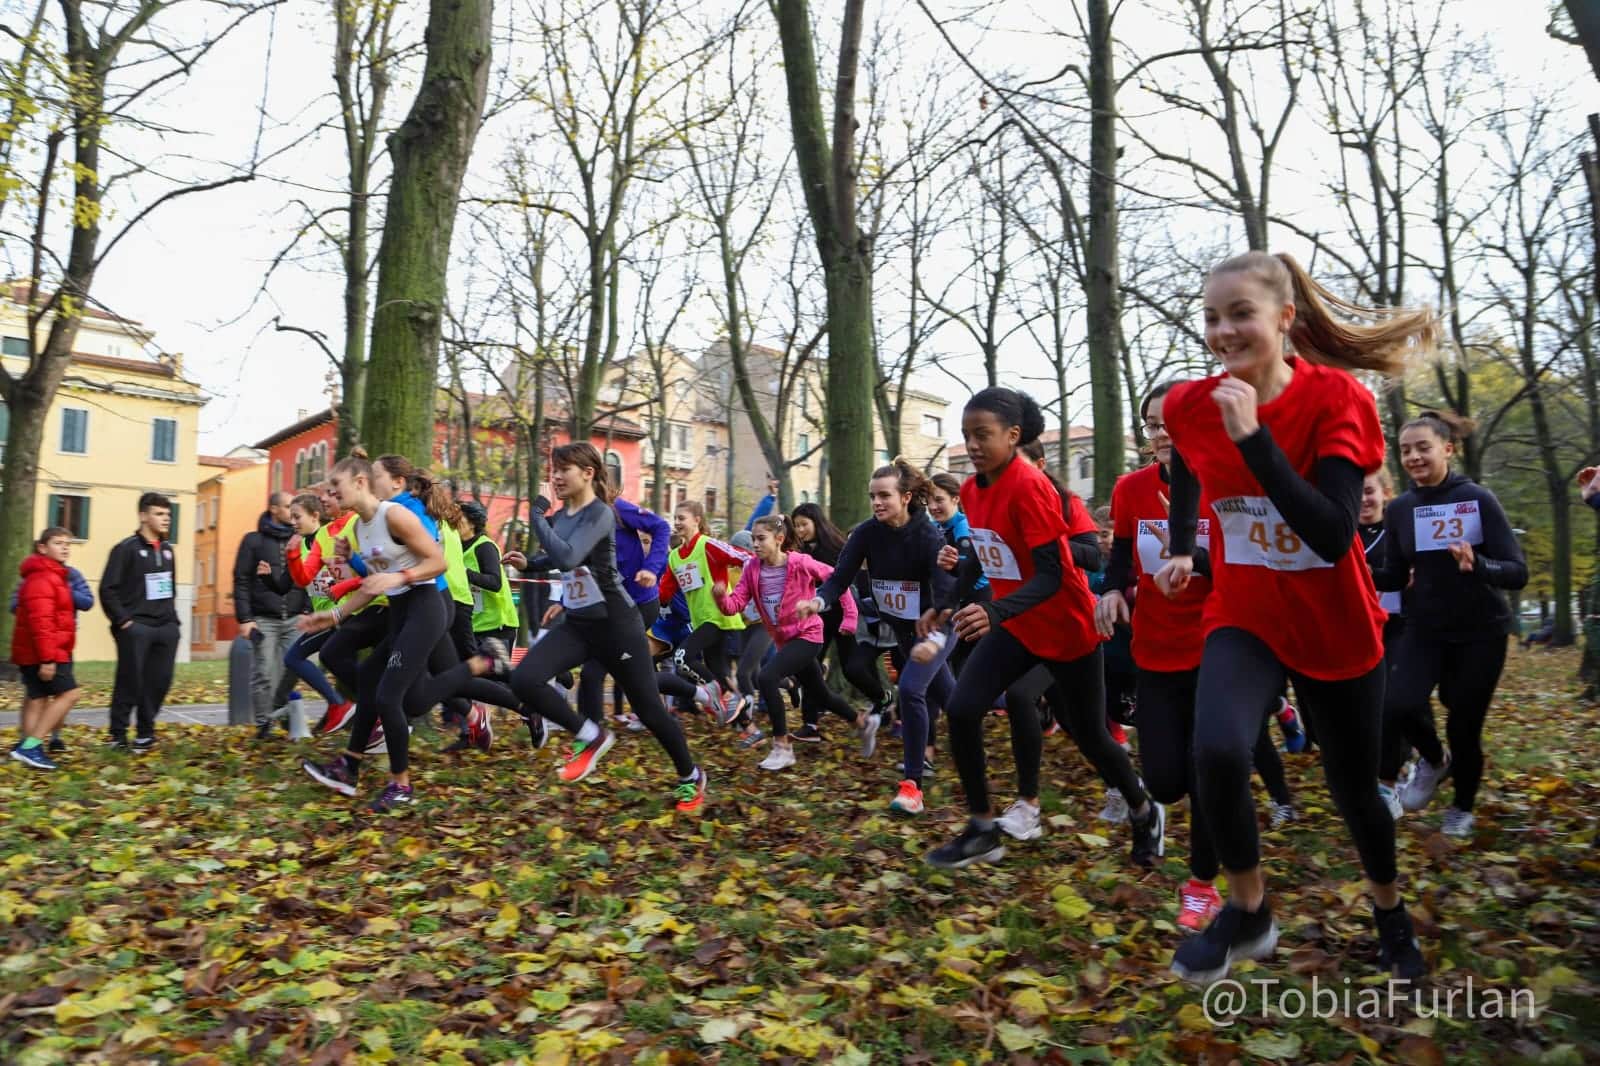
(436, 499)
(909, 480)
(696, 508)
(1446, 425)
(1331, 330)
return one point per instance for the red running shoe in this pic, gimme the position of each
(338, 716)
(480, 727)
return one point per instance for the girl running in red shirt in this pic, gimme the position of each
(1275, 450)
(1042, 613)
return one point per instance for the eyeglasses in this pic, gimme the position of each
(1152, 428)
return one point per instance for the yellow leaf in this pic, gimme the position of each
(380, 924)
(1103, 929)
(484, 889)
(1069, 904)
(139, 1032)
(1028, 1004)
(323, 988)
(1193, 1018)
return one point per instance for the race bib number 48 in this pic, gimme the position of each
(1444, 524)
(898, 599)
(995, 555)
(1255, 534)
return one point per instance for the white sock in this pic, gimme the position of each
(589, 732)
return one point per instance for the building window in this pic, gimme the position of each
(71, 512)
(200, 515)
(680, 493)
(175, 524)
(678, 436)
(16, 346)
(645, 489)
(277, 475)
(1085, 466)
(804, 444)
(884, 457)
(933, 426)
(5, 428)
(74, 431)
(614, 470)
(805, 495)
(200, 578)
(711, 501)
(164, 440)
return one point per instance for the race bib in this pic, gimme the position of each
(752, 613)
(579, 588)
(1153, 539)
(477, 600)
(1255, 534)
(688, 575)
(1390, 602)
(158, 586)
(899, 599)
(995, 555)
(772, 603)
(1444, 524)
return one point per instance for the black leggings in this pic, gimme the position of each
(797, 659)
(757, 641)
(417, 624)
(592, 681)
(618, 644)
(1466, 674)
(1001, 659)
(341, 655)
(1240, 682)
(705, 653)
(465, 642)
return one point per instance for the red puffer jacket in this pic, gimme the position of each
(47, 623)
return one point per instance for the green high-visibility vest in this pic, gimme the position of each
(490, 610)
(455, 568)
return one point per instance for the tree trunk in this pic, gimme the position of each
(430, 150)
(1104, 290)
(828, 178)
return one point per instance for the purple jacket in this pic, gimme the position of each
(631, 558)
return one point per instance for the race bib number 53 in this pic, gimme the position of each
(1255, 534)
(1444, 524)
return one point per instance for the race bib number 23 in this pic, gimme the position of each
(1444, 524)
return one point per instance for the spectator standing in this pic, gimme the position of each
(266, 602)
(42, 643)
(137, 591)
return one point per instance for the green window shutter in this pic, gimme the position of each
(84, 511)
(172, 533)
(52, 513)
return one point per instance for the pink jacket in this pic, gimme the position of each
(802, 576)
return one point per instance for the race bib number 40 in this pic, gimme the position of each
(1444, 524)
(579, 588)
(995, 555)
(898, 599)
(1155, 546)
(1255, 534)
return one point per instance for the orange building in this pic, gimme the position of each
(229, 500)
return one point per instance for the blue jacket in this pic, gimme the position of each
(767, 505)
(955, 528)
(631, 558)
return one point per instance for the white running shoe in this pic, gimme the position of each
(1116, 808)
(1391, 800)
(1457, 823)
(1021, 821)
(779, 758)
(869, 735)
(1281, 815)
(1425, 780)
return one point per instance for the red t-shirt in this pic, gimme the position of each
(1079, 520)
(1019, 512)
(1320, 619)
(1167, 634)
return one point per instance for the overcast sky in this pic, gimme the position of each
(193, 275)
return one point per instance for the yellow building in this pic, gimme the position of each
(122, 424)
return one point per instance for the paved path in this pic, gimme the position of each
(189, 713)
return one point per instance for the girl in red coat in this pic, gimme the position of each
(41, 645)
(1273, 452)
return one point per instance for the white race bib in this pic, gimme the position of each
(1255, 534)
(1153, 555)
(771, 603)
(688, 576)
(1390, 602)
(899, 599)
(158, 586)
(1444, 524)
(995, 555)
(579, 588)
(752, 613)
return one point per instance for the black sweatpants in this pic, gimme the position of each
(465, 642)
(619, 645)
(999, 660)
(1466, 674)
(145, 661)
(797, 659)
(705, 654)
(341, 655)
(417, 622)
(1240, 682)
(592, 681)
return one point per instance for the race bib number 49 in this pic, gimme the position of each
(1444, 524)
(1255, 534)
(995, 555)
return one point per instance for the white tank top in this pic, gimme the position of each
(382, 553)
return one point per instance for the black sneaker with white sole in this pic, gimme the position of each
(1149, 835)
(144, 745)
(1398, 949)
(339, 774)
(1234, 935)
(971, 846)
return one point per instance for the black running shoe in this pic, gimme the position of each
(973, 845)
(116, 743)
(339, 775)
(1149, 836)
(538, 732)
(1234, 935)
(1397, 944)
(144, 745)
(57, 744)
(808, 734)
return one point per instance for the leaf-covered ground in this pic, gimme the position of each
(201, 681)
(209, 904)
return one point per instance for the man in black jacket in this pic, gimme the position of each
(137, 591)
(266, 603)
